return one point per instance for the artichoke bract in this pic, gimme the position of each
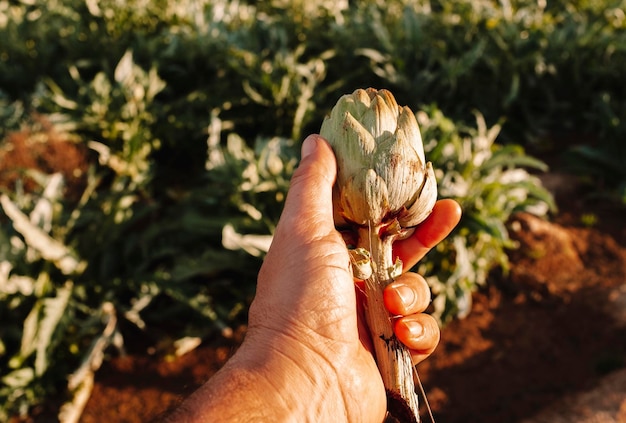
(382, 172)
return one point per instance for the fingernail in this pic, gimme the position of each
(415, 329)
(308, 146)
(406, 294)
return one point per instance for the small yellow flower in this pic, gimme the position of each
(491, 23)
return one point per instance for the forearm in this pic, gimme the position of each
(257, 387)
(234, 394)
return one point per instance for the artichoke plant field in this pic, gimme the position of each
(188, 116)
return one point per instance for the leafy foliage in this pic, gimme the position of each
(189, 115)
(490, 183)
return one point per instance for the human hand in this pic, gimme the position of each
(306, 307)
(307, 354)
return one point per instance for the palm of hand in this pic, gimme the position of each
(313, 320)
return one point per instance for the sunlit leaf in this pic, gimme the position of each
(52, 310)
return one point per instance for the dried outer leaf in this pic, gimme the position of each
(424, 202)
(361, 263)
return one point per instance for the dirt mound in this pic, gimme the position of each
(605, 403)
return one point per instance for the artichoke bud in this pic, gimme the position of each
(382, 172)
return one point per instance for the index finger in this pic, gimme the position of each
(445, 216)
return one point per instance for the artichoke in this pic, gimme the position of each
(384, 187)
(382, 172)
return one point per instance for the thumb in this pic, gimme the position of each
(308, 206)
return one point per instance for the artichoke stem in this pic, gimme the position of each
(392, 357)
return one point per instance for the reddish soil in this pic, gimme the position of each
(554, 326)
(39, 147)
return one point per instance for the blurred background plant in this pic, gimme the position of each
(491, 182)
(146, 149)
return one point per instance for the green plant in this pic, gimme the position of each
(490, 183)
(71, 272)
(11, 114)
(601, 166)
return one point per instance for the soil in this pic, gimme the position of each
(39, 147)
(544, 343)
